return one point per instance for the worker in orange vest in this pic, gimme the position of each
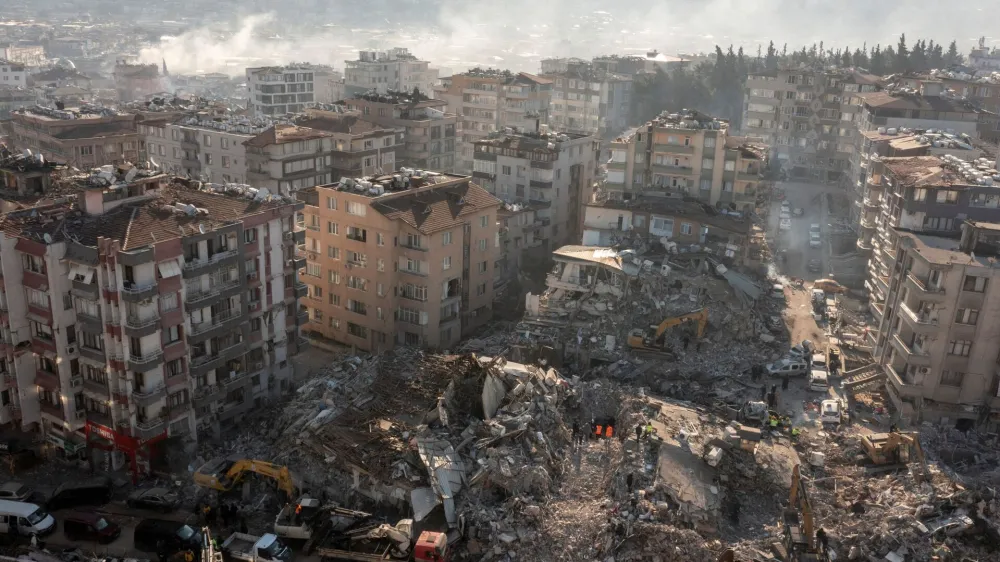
(609, 431)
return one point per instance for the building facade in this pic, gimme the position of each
(12, 99)
(202, 146)
(394, 70)
(590, 101)
(551, 172)
(400, 260)
(13, 74)
(431, 133)
(984, 58)
(938, 339)
(489, 100)
(686, 154)
(76, 137)
(319, 150)
(151, 309)
(134, 82)
(277, 90)
(807, 117)
(28, 55)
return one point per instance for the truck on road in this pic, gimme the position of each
(249, 548)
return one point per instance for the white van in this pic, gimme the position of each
(818, 380)
(830, 411)
(25, 519)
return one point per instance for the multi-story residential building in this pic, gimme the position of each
(884, 142)
(686, 154)
(590, 101)
(981, 89)
(928, 194)
(431, 133)
(277, 90)
(12, 99)
(13, 74)
(396, 69)
(61, 76)
(632, 65)
(937, 341)
(149, 307)
(136, 81)
(28, 55)
(917, 108)
(551, 172)
(400, 260)
(84, 137)
(807, 118)
(489, 100)
(983, 57)
(647, 220)
(328, 84)
(319, 150)
(519, 249)
(202, 145)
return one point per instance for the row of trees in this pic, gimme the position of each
(717, 87)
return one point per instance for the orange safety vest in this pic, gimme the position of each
(598, 431)
(609, 431)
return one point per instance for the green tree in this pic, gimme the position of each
(918, 56)
(900, 60)
(953, 57)
(860, 58)
(845, 59)
(878, 62)
(771, 58)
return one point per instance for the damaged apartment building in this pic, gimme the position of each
(586, 98)
(551, 174)
(148, 308)
(404, 259)
(686, 154)
(808, 117)
(84, 137)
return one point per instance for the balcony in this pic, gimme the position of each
(147, 429)
(904, 388)
(926, 291)
(877, 309)
(868, 224)
(235, 379)
(149, 396)
(54, 410)
(88, 291)
(297, 236)
(298, 261)
(913, 355)
(302, 318)
(748, 176)
(100, 418)
(145, 362)
(301, 290)
(97, 388)
(920, 322)
(93, 353)
(219, 320)
(178, 411)
(674, 148)
(41, 345)
(232, 351)
(206, 394)
(202, 364)
(47, 380)
(685, 171)
(88, 323)
(139, 327)
(132, 292)
(218, 259)
(871, 203)
(199, 296)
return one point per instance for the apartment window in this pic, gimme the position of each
(171, 334)
(482, 266)
(705, 184)
(225, 161)
(86, 150)
(169, 302)
(87, 307)
(37, 298)
(358, 283)
(356, 209)
(959, 347)
(334, 278)
(208, 158)
(331, 203)
(967, 316)
(974, 284)
(730, 165)
(727, 186)
(250, 236)
(316, 315)
(357, 307)
(947, 196)
(952, 378)
(481, 289)
(313, 270)
(223, 143)
(357, 234)
(707, 163)
(333, 253)
(482, 221)
(32, 263)
(685, 228)
(937, 223)
(413, 292)
(446, 239)
(379, 239)
(316, 292)
(446, 263)
(332, 228)
(505, 170)
(92, 341)
(380, 264)
(639, 221)
(413, 240)
(380, 289)
(335, 323)
(482, 244)
(334, 299)
(357, 258)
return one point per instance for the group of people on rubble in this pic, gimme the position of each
(606, 428)
(228, 513)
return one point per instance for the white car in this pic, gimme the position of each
(785, 224)
(784, 215)
(830, 411)
(814, 240)
(818, 381)
(814, 227)
(787, 367)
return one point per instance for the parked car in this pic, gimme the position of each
(798, 212)
(831, 411)
(814, 227)
(25, 519)
(815, 266)
(16, 491)
(787, 367)
(165, 538)
(82, 525)
(95, 491)
(818, 380)
(814, 240)
(785, 224)
(949, 526)
(802, 350)
(157, 499)
(785, 215)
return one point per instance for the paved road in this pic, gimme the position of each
(811, 198)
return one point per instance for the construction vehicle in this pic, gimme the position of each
(225, 474)
(370, 542)
(800, 539)
(299, 520)
(653, 339)
(251, 548)
(896, 449)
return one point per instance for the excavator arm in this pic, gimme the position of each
(225, 475)
(700, 315)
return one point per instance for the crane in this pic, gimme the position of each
(800, 539)
(652, 340)
(225, 474)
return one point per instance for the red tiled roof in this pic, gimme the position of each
(437, 208)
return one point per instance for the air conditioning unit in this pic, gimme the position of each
(76, 382)
(71, 349)
(252, 275)
(288, 235)
(258, 365)
(81, 415)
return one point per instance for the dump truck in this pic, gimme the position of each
(378, 542)
(250, 548)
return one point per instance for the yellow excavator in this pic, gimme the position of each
(653, 340)
(895, 449)
(801, 543)
(225, 474)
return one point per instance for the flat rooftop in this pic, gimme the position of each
(923, 171)
(530, 142)
(895, 100)
(72, 113)
(667, 206)
(943, 250)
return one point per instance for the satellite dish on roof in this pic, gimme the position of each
(201, 228)
(153, 163)
(27, 152)
(130, 175)
(47, 237)
(41, 158)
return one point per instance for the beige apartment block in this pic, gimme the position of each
(202, 145)
(78, 137)
(399, 260)
(939, 338)
(686, 154)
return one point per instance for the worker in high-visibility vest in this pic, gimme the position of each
(599, 430)
(609, 431)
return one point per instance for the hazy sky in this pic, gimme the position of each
(456, 34)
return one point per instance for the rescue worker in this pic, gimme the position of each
(638, 433)
(576, 430)
(298, 514)
(822, 539)
(795, 433)
(649, 429)
(629, 480)
(774, 422)
(188, 556)
(609, 431)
